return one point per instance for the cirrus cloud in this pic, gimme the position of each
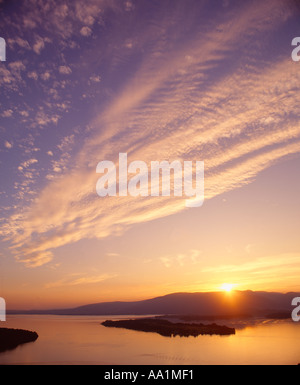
(182, 101)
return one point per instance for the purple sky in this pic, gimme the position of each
(211, 81)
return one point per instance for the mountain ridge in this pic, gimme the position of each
(253, 303)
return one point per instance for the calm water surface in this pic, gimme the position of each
(83, 340)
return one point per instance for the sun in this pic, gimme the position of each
(227, 287)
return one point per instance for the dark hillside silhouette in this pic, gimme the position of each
(252, 303)
(11, 338)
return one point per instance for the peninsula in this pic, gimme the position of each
(11, 338)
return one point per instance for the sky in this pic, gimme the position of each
(194, 80)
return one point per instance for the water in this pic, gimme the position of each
(83, 340)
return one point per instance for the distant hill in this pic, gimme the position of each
(252, 303)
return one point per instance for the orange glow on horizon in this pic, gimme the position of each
(227, 287)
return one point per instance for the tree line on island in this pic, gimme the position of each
(169, 329)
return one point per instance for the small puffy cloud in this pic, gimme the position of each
(50, 153)
(86, 31)
(43, 119)
(129, 44)
(39, 46)
(46, 75)
(95, 79)
(88, 13)
(33, 75)
(19, 42)
(27, 163)
(129, 6)
(65, 70)
(7, 113)
(66, 143)
(24, 113)
(57, 169)
(17, 66)
(7, 144)
(28, 22)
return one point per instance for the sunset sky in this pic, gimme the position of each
(188, 80)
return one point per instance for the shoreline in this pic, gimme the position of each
(12, 338)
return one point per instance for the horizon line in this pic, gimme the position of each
(8, 310)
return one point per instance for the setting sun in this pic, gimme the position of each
(227, 287)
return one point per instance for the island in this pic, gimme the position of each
(11, 338)
(170, 329)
